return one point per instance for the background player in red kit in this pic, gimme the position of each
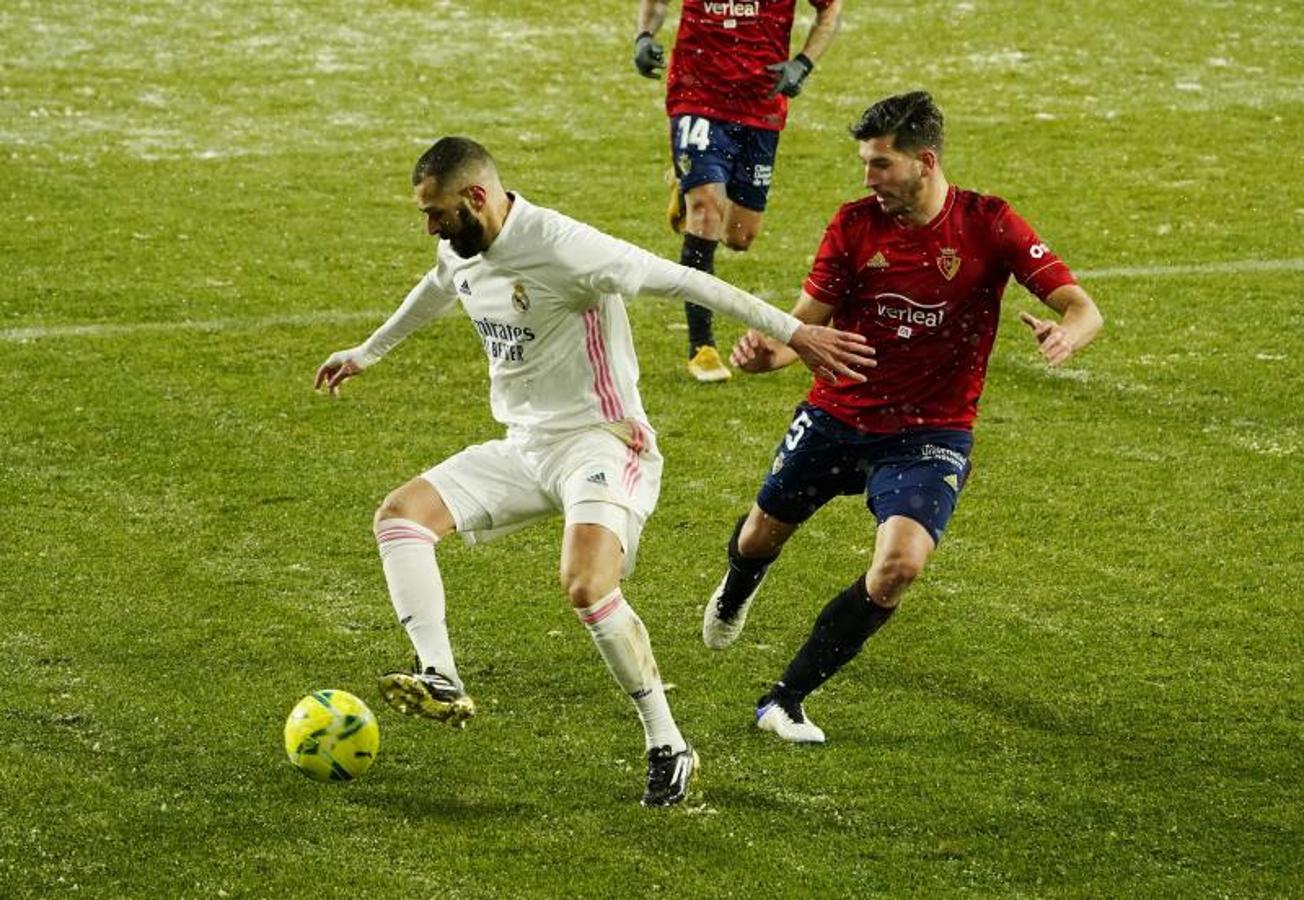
(919, 268)
(727, 98)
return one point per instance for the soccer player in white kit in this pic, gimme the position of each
(546, 295)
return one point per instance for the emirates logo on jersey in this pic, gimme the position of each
(948, 263)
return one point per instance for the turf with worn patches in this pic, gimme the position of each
(1094, 690)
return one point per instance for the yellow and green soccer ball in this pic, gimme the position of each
(332, 736)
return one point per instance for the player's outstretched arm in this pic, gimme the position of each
(1080, 321)
(628, 270)
(423, 303)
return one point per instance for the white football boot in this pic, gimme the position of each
(722, 621)
(788, 720)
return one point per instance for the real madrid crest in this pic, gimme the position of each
(948, 263)
(520, 299)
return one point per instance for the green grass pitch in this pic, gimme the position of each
(1095, 689)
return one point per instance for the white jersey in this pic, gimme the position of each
(547, 299)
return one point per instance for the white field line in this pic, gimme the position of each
(1235, 267)
(327, 317)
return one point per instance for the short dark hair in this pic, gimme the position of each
(449, 157)
(913, 119)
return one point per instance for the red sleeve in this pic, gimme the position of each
(1035, 266)
(832, 275)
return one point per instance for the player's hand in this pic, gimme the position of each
(754, 353)
(339, 367)
(831, 354)
(789, 74)
(649, 58)
(1052, 340)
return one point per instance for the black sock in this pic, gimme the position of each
(744, 573)
(841, 629)
(698, 253)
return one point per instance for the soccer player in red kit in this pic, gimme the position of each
(919, 268)
(727, 98)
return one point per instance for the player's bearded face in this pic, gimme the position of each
(906, 196)
(467, 238)
(896, 178)
(451, 218)
(901, 193)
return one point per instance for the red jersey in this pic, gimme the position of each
(928, 298)
(717, 67)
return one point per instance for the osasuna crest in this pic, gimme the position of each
(948, 263)
(520, 299)
(684, 164)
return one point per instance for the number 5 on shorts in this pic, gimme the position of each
(796, 431)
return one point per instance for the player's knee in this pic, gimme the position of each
(739, 238)
(583, 588)
(891, 576)
(403, 503)
(704, 217)
(392, 507)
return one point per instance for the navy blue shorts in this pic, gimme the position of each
(738, 156)
(917, 474)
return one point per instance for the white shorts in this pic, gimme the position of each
(603, 475)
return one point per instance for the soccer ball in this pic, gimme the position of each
(332, 736)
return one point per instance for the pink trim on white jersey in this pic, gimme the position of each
(638, 442)
(631, 476)
(606, 606)
(638, 437)
(603, 385)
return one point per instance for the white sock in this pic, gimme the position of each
(623, 642)
(407, 553)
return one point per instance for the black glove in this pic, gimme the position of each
(789, 75)
(649, 58)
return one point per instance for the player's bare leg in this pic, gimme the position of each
(591, 563)
(740, 227)
(755, 544)
(408, 524)
(901, 549)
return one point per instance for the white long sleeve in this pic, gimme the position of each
(672, 279)
(547, 300)
(424, 302)
(598, 262)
